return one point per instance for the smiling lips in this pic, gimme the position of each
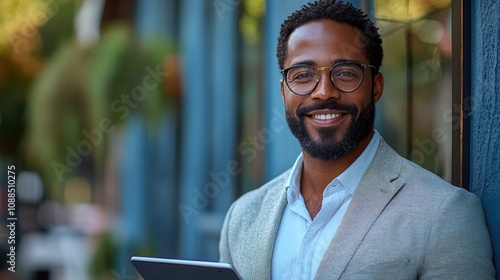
(326, 116)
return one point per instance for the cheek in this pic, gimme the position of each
(363, 97)
(362, 107)
(291, 103)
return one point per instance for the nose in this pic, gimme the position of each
(325, 89)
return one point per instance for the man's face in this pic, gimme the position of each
(327, 122)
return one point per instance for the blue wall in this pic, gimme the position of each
(208, 39)
(485, 117)
(282, 151)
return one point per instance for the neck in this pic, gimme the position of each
(317, 174)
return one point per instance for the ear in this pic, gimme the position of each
(282, 89)
(378, 86)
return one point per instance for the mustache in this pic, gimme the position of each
(331, 105)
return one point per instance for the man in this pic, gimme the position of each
(350, 207)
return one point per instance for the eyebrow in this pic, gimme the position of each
(344, 60)
(312, 63)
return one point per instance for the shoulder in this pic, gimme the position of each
(262, 196)
(433, 194)
(249, 218)
(416, 186)
(433, 187)
(415, 178)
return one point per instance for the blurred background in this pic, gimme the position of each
(134, 124)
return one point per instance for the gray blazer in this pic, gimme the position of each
(403, 223)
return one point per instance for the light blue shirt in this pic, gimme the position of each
(301, 242)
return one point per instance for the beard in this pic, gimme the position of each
(327, 148)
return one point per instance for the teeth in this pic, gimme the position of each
(326, 116)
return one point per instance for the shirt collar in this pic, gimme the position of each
(293, 181)
(350, 178)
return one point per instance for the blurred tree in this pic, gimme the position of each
(54, 94)
(27, 38)
(83, 95)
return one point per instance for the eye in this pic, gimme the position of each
(346, 74)
(301, 75)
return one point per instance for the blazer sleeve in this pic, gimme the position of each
(224, 252)
(459, 243)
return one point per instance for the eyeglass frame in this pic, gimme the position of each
(285, 71)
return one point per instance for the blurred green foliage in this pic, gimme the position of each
(31, 34)
(104, 258)
(53, 89)
(78, 90)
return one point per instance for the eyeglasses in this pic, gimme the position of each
(302, 79)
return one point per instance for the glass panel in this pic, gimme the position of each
(415, 111)
(431, 54)
(391, 115)
(406, 10)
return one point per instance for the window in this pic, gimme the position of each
(420, 113)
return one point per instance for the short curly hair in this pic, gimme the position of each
(337, 11)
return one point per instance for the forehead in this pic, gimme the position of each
(324, 41)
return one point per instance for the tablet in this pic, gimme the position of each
(166, 269)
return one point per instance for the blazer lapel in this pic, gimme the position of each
(265, 233)
(374, 192)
